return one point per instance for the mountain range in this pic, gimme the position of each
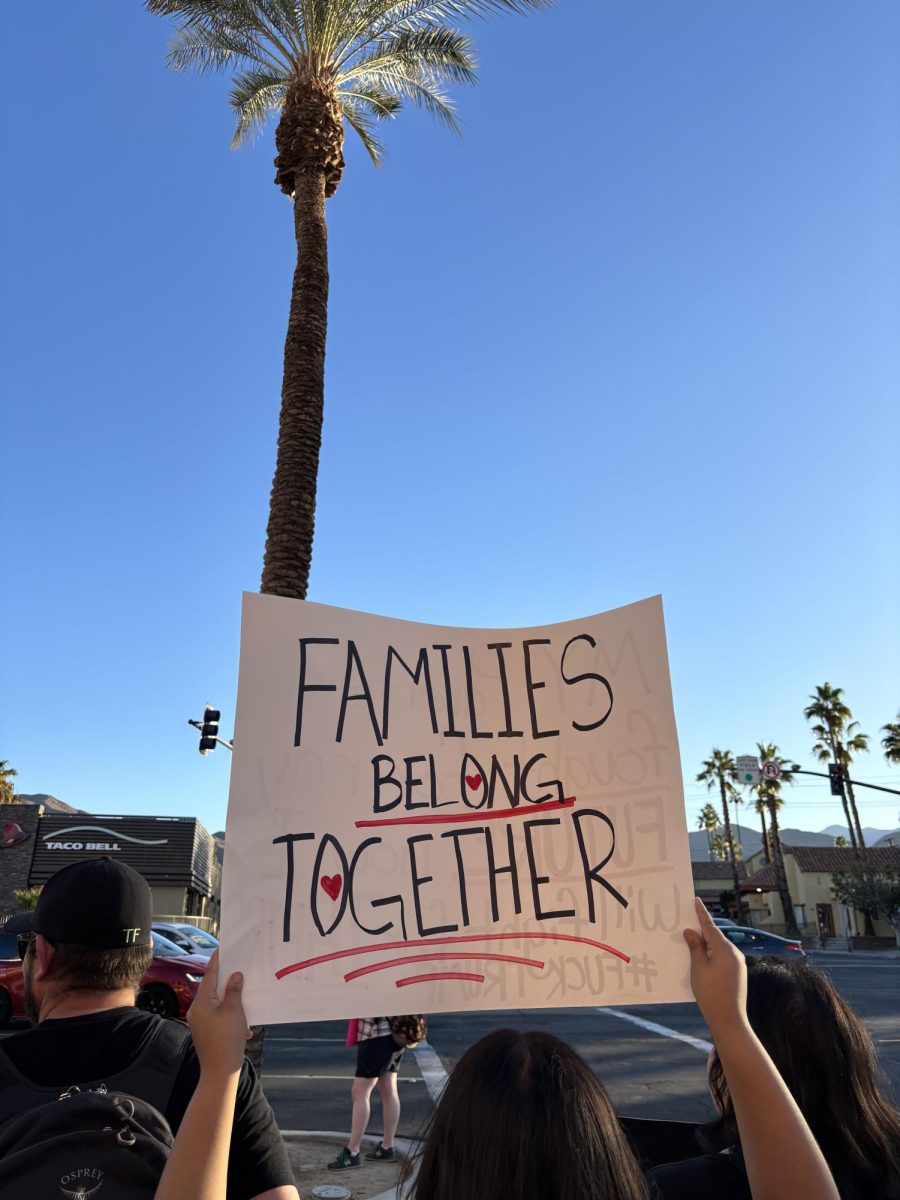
(751, 839)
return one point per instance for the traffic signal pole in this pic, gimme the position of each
(795, 770)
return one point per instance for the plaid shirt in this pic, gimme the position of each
(372, 1027)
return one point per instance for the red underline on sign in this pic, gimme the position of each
(455, 957)
(495, 814)
(435, 975)
(450, 941)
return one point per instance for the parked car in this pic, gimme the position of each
(168, 989)
(188, 937)
(724, 923)
(754, 942)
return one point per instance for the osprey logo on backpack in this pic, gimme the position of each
(80, 1179)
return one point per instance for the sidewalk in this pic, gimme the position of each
(862, 955)
(311, 1152)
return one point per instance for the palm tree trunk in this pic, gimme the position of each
(729, 842)
(790, 921)
(292, 506)
(765, 835)
(869, 926)
(854, 841)
(851, 799)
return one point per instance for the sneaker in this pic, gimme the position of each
(344, 1160)
(380, 1154)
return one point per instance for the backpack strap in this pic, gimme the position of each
(151, 1077)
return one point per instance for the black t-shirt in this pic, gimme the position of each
(72, 1050)
(706, 1177)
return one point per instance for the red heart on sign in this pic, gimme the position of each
(332, 885)
(474, 781)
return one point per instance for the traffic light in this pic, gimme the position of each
(836, 778)
(209, 729)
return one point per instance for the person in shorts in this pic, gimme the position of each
(377, 1059)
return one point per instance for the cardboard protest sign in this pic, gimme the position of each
(432, 819)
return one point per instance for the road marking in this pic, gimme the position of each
(335, 1041)
(345, 1078)
(434, 1073)
(663, 1030)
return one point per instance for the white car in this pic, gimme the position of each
(188, 937)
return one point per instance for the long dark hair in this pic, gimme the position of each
(825, 1056)
(523, 1117)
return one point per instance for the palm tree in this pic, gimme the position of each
(708, 819)
(837, 740)
(7, 787)
(718, 848)
(320, 64)
(841, 842)
(719, 771)
(891, 741)
(768, 792)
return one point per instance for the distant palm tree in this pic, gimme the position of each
(719, 772)
(891, 741)
(27, 898)
(7, 787)
(768, 791)
(837, 740)
(319, 63)
(841, 841)
(718, 847)
(708, 819)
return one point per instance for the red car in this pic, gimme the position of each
(167, 989)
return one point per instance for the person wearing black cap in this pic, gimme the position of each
(86, 947)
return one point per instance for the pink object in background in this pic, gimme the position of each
(352, 1032)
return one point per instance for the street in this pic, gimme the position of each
(650, 1073)
(647, 1073)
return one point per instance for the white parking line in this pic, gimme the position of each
(335, 1041)
(434, 1073)
(346, 1079)
(663, 1030)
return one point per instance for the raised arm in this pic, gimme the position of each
(198, 1165)
(782, 1158)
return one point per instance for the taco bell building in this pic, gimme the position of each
(176, 855)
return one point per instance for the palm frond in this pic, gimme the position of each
(254, 96)
(403, 78)
(377, 103)
(439, 54)
(362, 124)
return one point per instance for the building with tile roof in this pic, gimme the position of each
(711, 879)
(809, 871)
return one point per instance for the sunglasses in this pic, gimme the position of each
(23, 941)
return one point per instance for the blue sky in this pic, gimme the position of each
(635, 333)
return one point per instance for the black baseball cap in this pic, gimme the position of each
(98, 902)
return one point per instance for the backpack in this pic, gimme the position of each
(105, 1140)
(409, 1031)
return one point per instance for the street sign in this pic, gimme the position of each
(747, 768)
(771, 770)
